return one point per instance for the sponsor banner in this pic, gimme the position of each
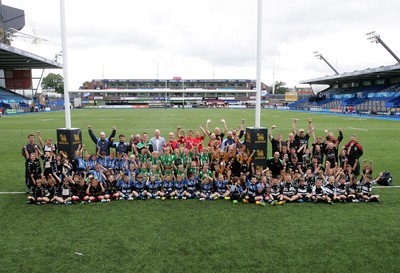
(314, 109)
(237, 106)
(334, 110)
(140, 106)
(11, 111)
(257, 140)
(68, 140)
(291, 96)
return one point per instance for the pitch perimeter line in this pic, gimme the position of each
(360, 129)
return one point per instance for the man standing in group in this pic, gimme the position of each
(145, 143)
(354, 151)
(27, 150)
(275, 164)
(102, 143)
(302, 138)
(158, 142)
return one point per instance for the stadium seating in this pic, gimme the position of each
(10, 96)
(379, 98)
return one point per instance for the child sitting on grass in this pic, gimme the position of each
(366, 189)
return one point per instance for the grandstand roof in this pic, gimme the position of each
(385, 72)
(14, 58)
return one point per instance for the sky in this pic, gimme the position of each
(211, 39)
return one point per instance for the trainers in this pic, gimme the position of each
(245, 201)
(103, 201)
(215, 197)
(227, 198)
(164, 198)
(330, 203)
(281, 203)
(235, 201)
(355, 201)
(130, 198)
(202, 199)
(300, 200)
(183, 197)
(260, 203)
(157, 197)
(274, 203)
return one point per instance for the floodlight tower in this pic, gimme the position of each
(376, 38)
(319, 56)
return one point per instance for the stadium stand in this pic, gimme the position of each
(372, 91)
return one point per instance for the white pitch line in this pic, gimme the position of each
(360, 129)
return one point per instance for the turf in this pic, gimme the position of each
(194, 236)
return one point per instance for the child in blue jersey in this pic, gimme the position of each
(139, 188)
(222, 188)
(153, 187)
(191, 187)
(124, 187)
(206, 186)
(179, 187)
(98, 173)
(236, 190)
(167, 190)
(366, 189)
(254, 191)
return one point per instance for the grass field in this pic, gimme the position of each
(193, 236)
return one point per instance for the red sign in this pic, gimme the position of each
(18, 79)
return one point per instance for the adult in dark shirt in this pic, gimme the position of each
(276, 144)
(331, 138)
(29, 147)
(27, 150)
(144, 142)
(102, 143)
(275, 164)
(354, 151)
(121, 147)
(302, 138)
(219, 135)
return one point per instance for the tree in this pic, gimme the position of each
(53, 81)
(280, 88)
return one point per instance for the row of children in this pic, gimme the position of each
(258, 190)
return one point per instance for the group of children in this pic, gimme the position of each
(183, 172)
